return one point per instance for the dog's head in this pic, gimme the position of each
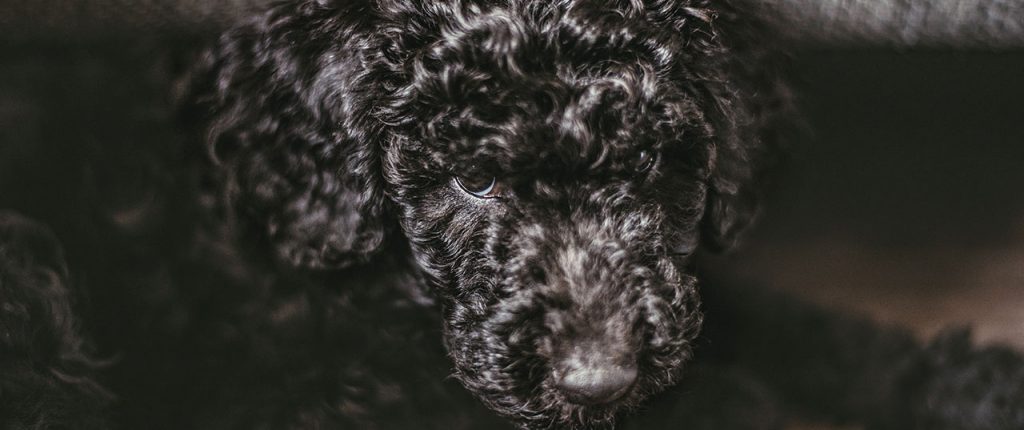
(552, 166)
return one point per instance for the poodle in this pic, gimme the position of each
(549, 166)
(512, 194)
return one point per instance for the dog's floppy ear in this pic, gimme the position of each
(285, 113)
(752, 120)
(731, 203)
(750, 141)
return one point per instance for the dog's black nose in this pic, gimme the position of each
(596, 384)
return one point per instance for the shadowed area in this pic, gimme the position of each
(905, 202)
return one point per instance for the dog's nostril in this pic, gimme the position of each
(594, 385)
(538, 275)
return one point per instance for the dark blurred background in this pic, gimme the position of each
(903, 201)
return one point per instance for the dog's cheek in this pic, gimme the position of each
(480, 362)
(673, 318)
(449, 235)
(682, 196)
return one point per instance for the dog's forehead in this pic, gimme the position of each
(571, 118)
(538, 156)
(574, 129)
(503, 88)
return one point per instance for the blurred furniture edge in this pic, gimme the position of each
(104, 21)
(955, 24)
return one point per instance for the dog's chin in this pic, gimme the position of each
(561, 412)
(550, 408)
(575, 415)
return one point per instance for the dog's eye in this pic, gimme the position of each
(483, 188)
(645, 160)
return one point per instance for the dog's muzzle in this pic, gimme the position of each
(593, 378)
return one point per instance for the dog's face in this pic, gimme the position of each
(551, 165)
(552, 188)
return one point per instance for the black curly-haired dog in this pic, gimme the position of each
(392, 189)
(550, 166)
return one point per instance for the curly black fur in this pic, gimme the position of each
(47, 372)
(329, 252)
(334, 126)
